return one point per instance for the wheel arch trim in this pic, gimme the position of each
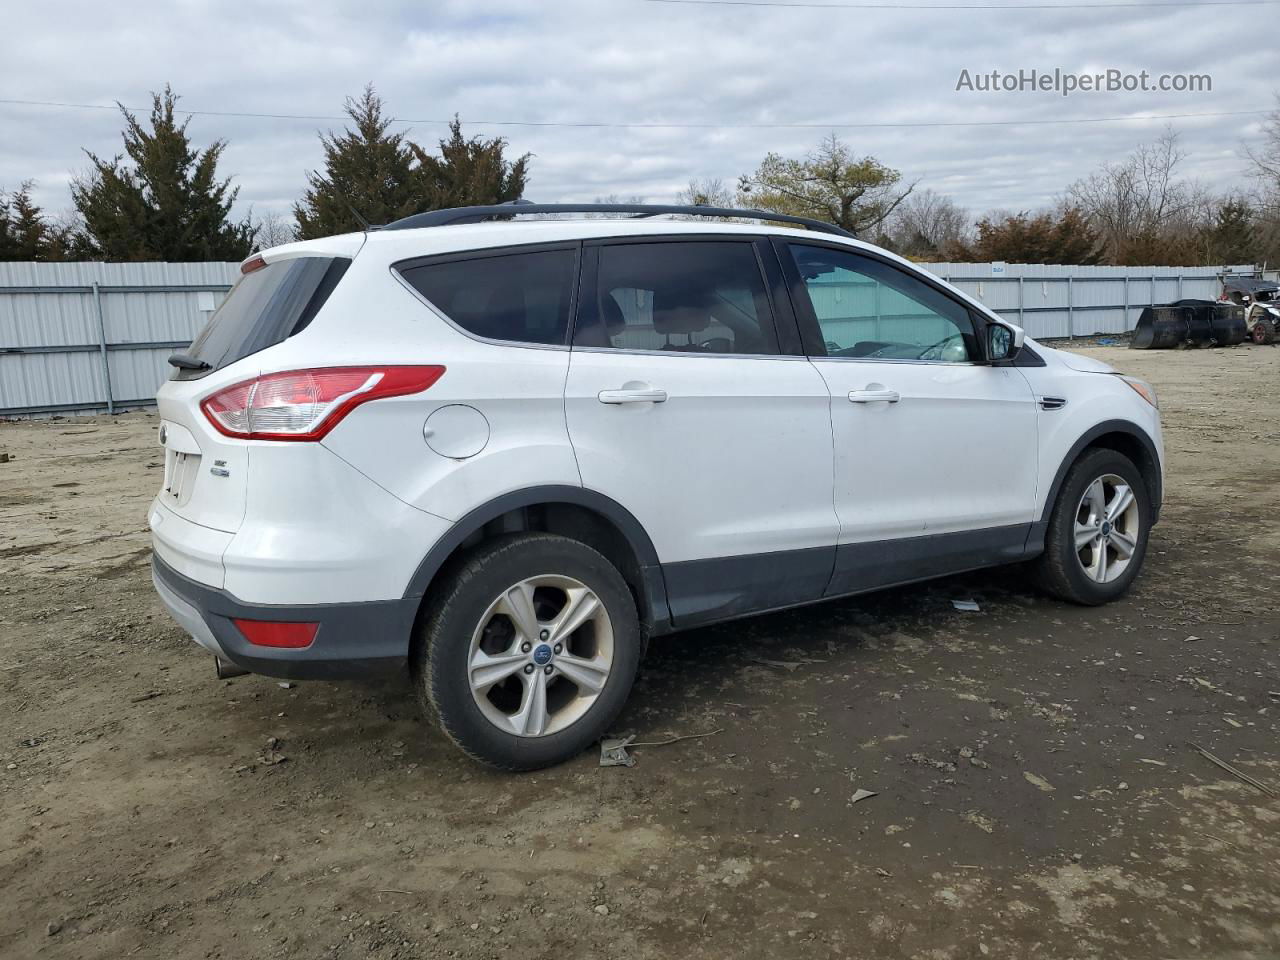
(653, 585)
(1087, 439)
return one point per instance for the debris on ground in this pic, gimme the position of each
(861, 794)
(1238, 774)
(1039, 782)
(146, 696)
(969, 606)
(272, 755)
(613, 752)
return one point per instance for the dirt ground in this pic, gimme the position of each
(1035, 791)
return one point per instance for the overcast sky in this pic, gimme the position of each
(631, 62)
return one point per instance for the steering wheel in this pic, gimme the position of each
(716, 345)
(935, 351)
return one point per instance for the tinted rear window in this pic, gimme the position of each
(264, 308)
(521, 297)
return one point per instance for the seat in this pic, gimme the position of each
(677, 315)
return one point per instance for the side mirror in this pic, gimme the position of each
(1004, 341)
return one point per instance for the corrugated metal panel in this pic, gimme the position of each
(50, 351)
(1052, 300)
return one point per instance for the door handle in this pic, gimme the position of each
(874, 396)
(632, 396)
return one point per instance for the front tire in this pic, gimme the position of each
(1098, 530)
(530, 652)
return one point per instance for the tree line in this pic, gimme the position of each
(163, 199)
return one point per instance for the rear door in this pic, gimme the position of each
(935, 449)
(689, 403)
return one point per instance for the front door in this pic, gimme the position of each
(935, 448)
(683, 407)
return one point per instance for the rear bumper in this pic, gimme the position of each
(353, 640)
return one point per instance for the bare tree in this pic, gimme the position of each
(708, 192)
(1138, 204)
(928, 224)
(611, 198)
(1264, 158)
(273, 230)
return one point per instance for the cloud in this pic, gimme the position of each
(627, 61)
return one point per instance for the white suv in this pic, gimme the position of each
(501, 453)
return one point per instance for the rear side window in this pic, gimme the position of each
(689, 297)
(520, 297)
(265, 307)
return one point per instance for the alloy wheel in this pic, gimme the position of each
(1107, 526)
(540, 655)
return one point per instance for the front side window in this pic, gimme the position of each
(521, 297)
(871, 310)
(689, 297)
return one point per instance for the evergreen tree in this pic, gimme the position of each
(166, 203)
(25, 233)
(1232, 237)
(470, 172)
(1043, 238)
(366, 170)
(831, 183)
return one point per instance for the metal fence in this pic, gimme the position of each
(1052, 301)
(81, 337)
(87, 337)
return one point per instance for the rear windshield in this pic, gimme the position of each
(264, 308)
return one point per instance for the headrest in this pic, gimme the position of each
(678, 317)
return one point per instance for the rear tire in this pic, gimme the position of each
(556, 624)
(1098, 530)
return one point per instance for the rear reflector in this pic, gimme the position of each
(307, 404)
(267, 633)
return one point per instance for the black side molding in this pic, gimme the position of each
(654, 602)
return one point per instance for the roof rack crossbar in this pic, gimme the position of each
(456, 215)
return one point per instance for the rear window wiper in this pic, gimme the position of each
(185, 361)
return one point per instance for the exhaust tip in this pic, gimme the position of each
(226, 670)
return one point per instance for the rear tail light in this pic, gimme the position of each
(307, 404)
(270, 633)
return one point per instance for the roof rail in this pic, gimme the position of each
(454, 215)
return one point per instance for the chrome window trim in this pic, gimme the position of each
(932, 363)
(635, 351)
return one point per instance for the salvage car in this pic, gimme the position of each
(1261, 301)
(499, 451)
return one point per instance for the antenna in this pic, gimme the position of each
(364, 224)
